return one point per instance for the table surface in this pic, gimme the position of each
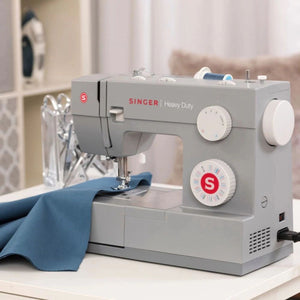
(102, 277)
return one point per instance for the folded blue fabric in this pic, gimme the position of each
(52, 230)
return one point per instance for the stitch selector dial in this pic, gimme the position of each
(214, 123)
(212, 182)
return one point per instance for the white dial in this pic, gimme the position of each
(278, 122)
(214, 123)
(212, 182)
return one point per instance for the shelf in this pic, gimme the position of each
(67, 29)
(33, 141)
(12, 94)
(61, 21)
(45, 88)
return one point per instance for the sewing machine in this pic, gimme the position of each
(237, 189)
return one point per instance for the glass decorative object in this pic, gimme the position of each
(64, 163)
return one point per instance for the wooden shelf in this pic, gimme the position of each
(68, 55)
(12, 94)
(45, 88)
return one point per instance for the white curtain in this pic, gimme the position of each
(285, 24)
(134, 33)
(142, 33)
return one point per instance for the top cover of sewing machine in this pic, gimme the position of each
(237, 188)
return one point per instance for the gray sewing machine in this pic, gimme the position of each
(237, 190)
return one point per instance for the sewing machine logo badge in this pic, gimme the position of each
(209, 183)
(161, 103)
(83, 97)
(140, 101)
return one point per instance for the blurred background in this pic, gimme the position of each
(79, 37)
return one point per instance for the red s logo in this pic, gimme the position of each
(209, 183)
(83, 97)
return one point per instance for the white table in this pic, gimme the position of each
(102, 277)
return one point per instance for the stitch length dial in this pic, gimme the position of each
(214, 123)
(212, 182)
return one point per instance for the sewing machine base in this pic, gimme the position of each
(150, 224)
(191, 262)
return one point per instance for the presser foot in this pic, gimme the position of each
(124, 183)
(123, 174)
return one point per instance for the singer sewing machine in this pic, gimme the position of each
(237, 190)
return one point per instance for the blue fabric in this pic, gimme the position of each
(52, 230)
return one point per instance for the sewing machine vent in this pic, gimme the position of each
(259, 240)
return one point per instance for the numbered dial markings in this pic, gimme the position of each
(214, 123)
(212, 182)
